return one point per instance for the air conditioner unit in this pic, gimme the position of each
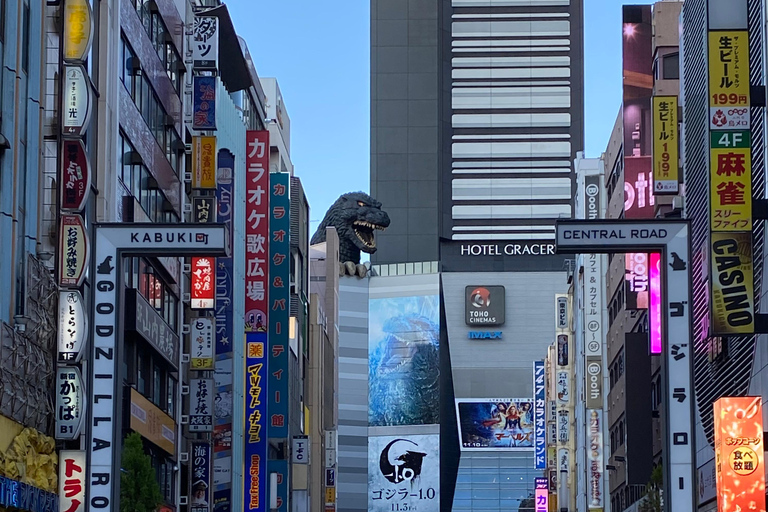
(184, 457)
(184, 419)
(184, 358)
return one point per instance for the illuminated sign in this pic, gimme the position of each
(542, 495)
(594, 382)
(562, 388)
(75, 177)
(731, 284)
(595, 499)
(654, 313)
(739, 454)
(201, 477)
(73, 326)
(256, 230)
(74, 251)
(78, 30)
(256, 415)
(516, 249)
(665, 145)
(70, 406)
(484, 335)
(731, 189)
(205, 43)
(203, 283)
(201, 405)
(72, 481)
(152, 423)
(539, 416)
(561, 305)
(637, 285)
(204, 162)
(76, 105)
(484, 305)
(300, 450)
(204, 103)
(204, 209)
(563, 426)
(729, 80)
(201, 340)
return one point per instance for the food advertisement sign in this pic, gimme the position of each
(729, 80)
(496, 424)
(76, 104)
(78, 30)
(731, 284)
(665, 145)
(75, 179)
(739, 454)
(203, 283)
(404, 473)
(70, 405)
(73, 326)
(202, 343)
(74, 251)
(204, 162)
(201, 405)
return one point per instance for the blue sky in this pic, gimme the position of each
(319, 53)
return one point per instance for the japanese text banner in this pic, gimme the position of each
(256, 415)
(279, 299)
(733, 307)
(256, 230)
(665, 145)
(729, 80)
(731, 189)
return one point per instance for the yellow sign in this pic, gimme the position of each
(204, 162)
(729, 80)
(739, 454)
(665, 145)
(733, 303)
(152, 423)
(78, 30)
(330, 495)
(731, 189)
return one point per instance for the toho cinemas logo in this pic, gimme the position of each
(484, 305)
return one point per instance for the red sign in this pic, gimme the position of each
(71, 481)
(75, 176)
(203, 276)
(256, 230)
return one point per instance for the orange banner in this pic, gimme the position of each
(739, 456)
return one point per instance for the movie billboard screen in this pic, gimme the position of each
(496, 424)
(403, 362)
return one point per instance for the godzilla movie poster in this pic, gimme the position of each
(403, 362)
(496, 424)
(404, 473)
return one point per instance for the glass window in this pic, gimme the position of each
(671, 66)
(171, 405)
(157, 386)
(141, 373)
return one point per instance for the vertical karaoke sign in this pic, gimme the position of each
(256, 320)
(539, 415)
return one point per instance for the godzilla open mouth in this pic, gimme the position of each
(364, 231)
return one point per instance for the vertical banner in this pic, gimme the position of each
(204, 209)
(256, 367)
(201, 343)
(731, 284)
(654, 313)
(71, 481)
(595, 498)
(200, 483)
(730, 185)
(203, 162)
(539, 415)
(74, 251)
(729, 80)
(205, 43)
(256, 230)
(203, 283)
(204, 103)
(739, 454)
(279, 298)
(201, 405)
(666, 173)
(70, 403)
(542, 495)
(222, 422)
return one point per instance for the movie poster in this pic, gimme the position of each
(403, 364)
(404, 473)
(496, 423)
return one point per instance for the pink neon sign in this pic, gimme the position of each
(654, 313)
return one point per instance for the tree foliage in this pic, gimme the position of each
(139, 490)
(652, 500)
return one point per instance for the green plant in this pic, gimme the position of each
(139, 490)
(652, 500)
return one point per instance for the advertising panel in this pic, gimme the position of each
(300, 450)
(731, 189)
(70, 404)
(201, 405)
(73, 326)
(637, 280)
(563, 426)
(204, 102)
(222, 429)
(595, 471)
(665, 145)
(495, 424)
(731, 265)
(201, 477)
(541, 496)
(72, 481)
(256, 230)
(256, 479)
(739, 454)
(205, 43)
(404, 473)
(729, 80)
(563, 388)
(78, 30)
(654, 313)
(201, 343)
(562, 350)
(593, 305)
(279, 298)
(485, 305)
(204, 208)
(203, 162)
(539, 415)
(77, 103)
(152, 423)
(203, 283)
(594, 382)
(74, 251)
(561, 305)
(75, 178)
(403, 362)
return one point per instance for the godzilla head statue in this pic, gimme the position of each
(355, 216)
